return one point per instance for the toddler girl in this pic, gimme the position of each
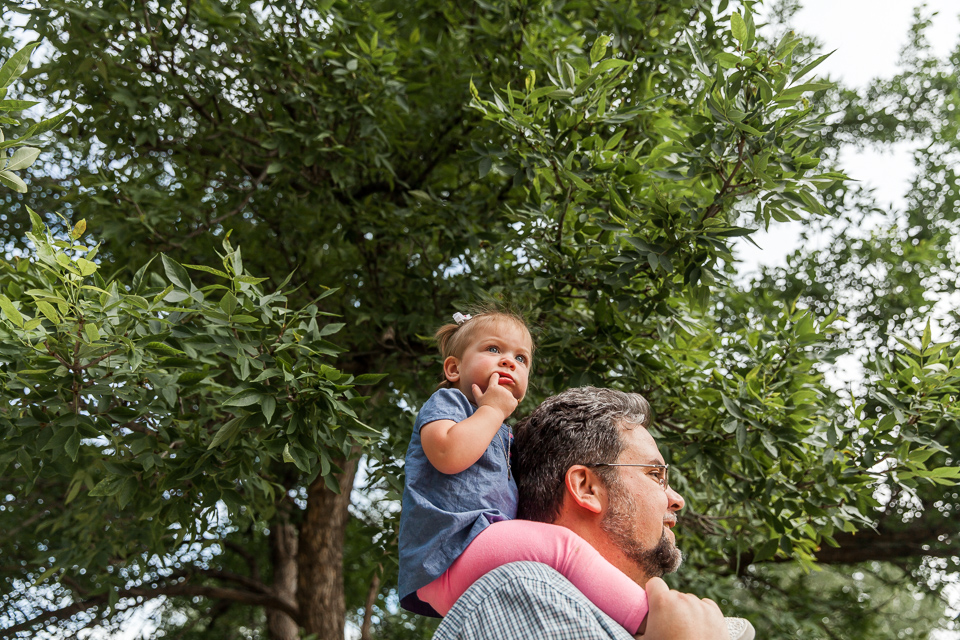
(460, 499)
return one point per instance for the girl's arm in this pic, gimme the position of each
(452, 447)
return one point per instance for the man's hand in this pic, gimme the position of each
(681, 616)
(496, 396)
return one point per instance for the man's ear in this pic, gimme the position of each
(451, 369)
(585, 489)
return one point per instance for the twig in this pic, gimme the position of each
(206, 225)
(714, 208)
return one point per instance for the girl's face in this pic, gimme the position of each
(504, 349)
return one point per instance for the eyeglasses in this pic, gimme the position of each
(661, 477)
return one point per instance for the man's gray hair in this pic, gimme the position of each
(578, 426)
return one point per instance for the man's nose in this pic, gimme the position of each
(676, 500)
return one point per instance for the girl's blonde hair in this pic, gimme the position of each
(452, 339)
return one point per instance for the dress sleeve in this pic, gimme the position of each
(526, 601)
(445, 404)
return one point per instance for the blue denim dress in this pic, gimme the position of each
(443, 513)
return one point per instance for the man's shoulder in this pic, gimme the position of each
(524, 600)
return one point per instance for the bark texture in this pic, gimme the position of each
(320, 556)
(368, 610)
(283, 547)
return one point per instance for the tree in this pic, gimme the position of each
(893, 274)
(146, 420)
(586, 162)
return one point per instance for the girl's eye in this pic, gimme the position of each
(493, 349)
(522, 359)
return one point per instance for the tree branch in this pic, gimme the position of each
(257, 599)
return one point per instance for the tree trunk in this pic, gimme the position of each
(320, 557)
(368, 610)
(283, 547)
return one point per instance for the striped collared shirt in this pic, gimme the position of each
(526, 601)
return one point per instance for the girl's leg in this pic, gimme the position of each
(514, 540)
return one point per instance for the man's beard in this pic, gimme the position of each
(620, 524)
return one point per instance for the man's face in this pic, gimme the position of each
(640, 515)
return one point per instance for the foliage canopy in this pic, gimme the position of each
(194, 435)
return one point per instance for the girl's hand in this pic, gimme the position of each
(496, 396)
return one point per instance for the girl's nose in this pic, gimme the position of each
(507, 361)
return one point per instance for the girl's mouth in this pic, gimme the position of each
(506, 379)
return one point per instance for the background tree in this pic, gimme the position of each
(587, 162)
(892, 274)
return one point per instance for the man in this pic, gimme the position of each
(585, 460)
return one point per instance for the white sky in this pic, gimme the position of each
(867, 36)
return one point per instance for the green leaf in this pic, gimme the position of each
(48, 311)
(87, 268)
(728, 60)
(811, 66)
(39, 229)
(766, 550)
(331, 483)
(332, 328)
(365, 429)
(614, 140)
(10, 311)
(200, 267)
(46, 125)
(599, 48)
(738, 28)
(369, 378)
(912, 348)
(162, 348)
(612, 63)
(268, 406)
(227, 431)
(77, 232)
(72, 446)
(732, 407)
(22, 158)
(107, 487)
(127, 491)
(74, 491)
(943, 472)
(919, 456)
(741, 436)
(245, 398)
(228, 303)
(176, 273)
(797, 91)
(14, 67)
(192, 377)
(17, 105)
(695, 52)
(13, 181)
(93, 333)
(295, 455)
(46, 295)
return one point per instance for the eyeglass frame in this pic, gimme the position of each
(664, 483)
